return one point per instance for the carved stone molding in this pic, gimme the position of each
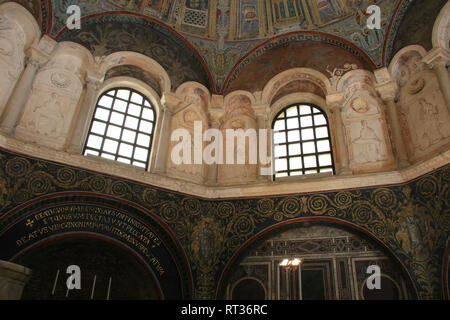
(261, 188)
(437, 56)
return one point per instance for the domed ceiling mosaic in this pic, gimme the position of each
(230, 44)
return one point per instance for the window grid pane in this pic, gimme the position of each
(114, 131)
(306, 149)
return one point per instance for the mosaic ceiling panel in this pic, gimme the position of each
(223, 33)
(107, 34)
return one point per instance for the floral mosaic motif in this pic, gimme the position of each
(108, 34)
(412, 220)
(223, 46)
(340, 18)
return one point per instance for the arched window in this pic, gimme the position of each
(301, 141)
(122, 127)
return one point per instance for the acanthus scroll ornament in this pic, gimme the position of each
(338, 73)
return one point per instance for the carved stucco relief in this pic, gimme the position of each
(12, 56)
(424, 118)
(239, 115)
(192, 109)
(366, 129)
(54, 98)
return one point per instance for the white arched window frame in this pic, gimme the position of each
(124, 122)
(301, 141)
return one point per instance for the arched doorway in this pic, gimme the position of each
(335, 261)
(117, 245)
(108, 271)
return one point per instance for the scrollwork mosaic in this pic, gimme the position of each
(412, 220)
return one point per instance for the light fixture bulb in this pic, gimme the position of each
(284, 263)
(296, 262)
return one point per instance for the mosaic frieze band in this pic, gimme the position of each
(411, 220)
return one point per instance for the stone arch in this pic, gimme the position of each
(230, 96)
(24, 20)
(334, 221)
(18, 32)
(143, 284)
(248, 278)
(288, 76)
(179, 58)
(138, 60)
(301, 97)
(398, 60)
(144, 89)
(189, 88)
(283, 50)
(128, 224)
(237, 103)
(441, 30)
(354, 74)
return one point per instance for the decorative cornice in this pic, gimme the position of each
(386, 85)
(292, 186)
(436, 56)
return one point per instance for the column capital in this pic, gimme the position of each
(261, 110)
(217, 101)
(436, 57)
(47, 44)
(214, 124)
(13, 278)
(36, 57)
(93, 80)
(388, 91)
(385, 85)
(335, 101)
(170, 101)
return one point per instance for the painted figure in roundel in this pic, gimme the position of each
(368, 147)
(360, 105)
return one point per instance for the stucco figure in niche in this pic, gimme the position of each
(12, 57)
(368, 146)
(191, 112)
(366, 128)
(240, 118)
(55, 95)
(431, 132)
(423, 115)
(361, 101)
(48, 117)
(195, 97)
